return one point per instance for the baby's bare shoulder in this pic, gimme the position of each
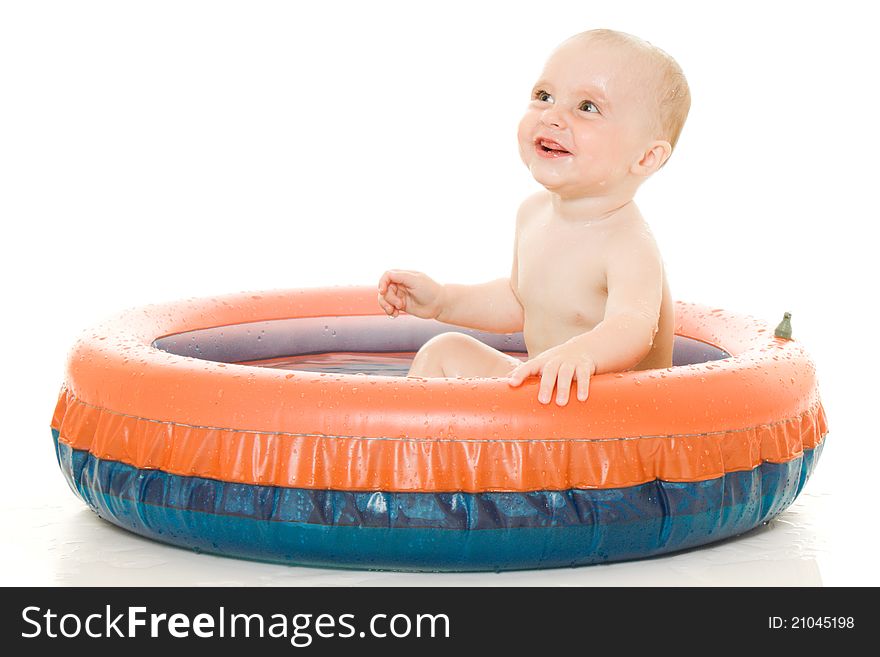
(531, 205)
(633, 231)
(632, 242)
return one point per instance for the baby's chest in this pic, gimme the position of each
(562, 277)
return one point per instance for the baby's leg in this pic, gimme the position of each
(457, 354)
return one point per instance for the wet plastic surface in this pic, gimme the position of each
(433, 531)
(63, 543)
(304, 469)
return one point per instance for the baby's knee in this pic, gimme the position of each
(450, 340)
(436, 352)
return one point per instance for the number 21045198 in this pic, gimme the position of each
(811, 622)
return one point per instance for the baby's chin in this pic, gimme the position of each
(567, 187)
(552, 180)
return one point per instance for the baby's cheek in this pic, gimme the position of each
(526, 129)
(524, 137)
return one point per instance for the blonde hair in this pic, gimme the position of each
(671, 88)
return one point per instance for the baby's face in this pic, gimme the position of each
(594, 100)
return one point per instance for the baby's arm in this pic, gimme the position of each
(621, 340)
(488, 306)
(632, 311)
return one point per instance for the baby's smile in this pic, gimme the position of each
(550, 149)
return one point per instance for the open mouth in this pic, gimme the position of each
(549, 148)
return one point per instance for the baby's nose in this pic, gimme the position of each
(553, 117)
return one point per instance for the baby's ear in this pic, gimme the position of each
(652, 159)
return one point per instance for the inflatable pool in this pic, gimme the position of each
(176, 422)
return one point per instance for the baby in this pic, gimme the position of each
(588, 287)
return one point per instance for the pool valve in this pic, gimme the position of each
(784, 328)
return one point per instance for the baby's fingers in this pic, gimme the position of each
(583, 382)
(548, 381)
(384, 281)
(387, 307)
(563, 383)
(394, 296)
(522, 372)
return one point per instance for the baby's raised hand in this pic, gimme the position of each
(410, 291)
(557, 367)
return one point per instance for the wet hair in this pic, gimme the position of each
(671, 88)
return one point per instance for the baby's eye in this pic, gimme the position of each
(542, 95)
(588, 106)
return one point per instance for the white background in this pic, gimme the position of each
(161, 150)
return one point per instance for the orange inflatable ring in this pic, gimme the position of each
(196, 449)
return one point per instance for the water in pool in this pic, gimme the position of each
(384, 364)
(397, 363)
